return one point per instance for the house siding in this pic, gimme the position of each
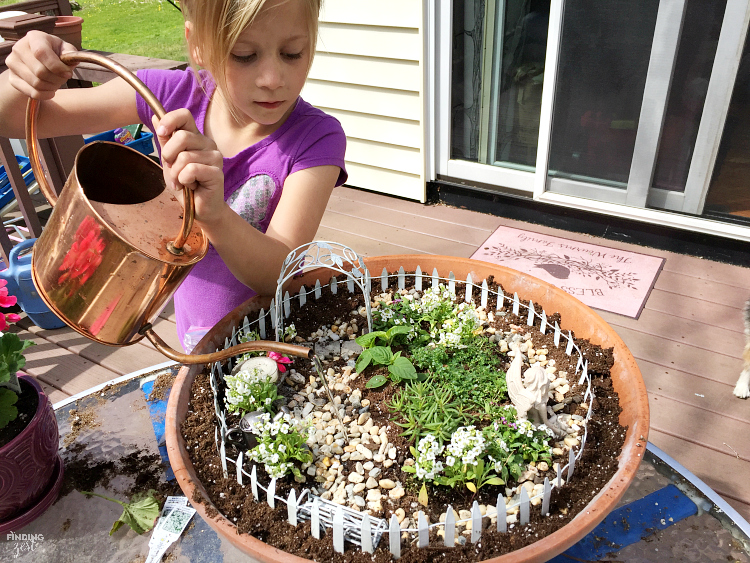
(368, 73)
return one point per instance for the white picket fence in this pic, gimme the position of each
(355, 527)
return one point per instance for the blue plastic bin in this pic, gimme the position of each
(6, 190)
(143, 144)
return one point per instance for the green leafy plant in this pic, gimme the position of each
(399, 367)
(368, 340)
(425, 408)
(140, 513)
(473, 374)
(11, 360)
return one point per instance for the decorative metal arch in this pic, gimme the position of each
(328, 254)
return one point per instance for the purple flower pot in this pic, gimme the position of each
(30, 467)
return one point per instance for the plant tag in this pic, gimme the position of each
(174, 519)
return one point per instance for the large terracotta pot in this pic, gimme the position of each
(576, 316)
(30, 467)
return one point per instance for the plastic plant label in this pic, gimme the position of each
(174, 519)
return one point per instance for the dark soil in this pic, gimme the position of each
(27, 403)
(593, 470)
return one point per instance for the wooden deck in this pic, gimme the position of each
(688, 341)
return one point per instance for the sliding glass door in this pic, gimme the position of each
(622, 102)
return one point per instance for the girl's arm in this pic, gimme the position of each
(255, 258)
(191, 159)
(35, 70)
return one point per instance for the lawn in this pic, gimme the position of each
(150, 28)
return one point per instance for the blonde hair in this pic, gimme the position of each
(217, 24)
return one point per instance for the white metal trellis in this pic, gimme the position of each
(327, 254)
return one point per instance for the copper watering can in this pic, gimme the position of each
(103, 262)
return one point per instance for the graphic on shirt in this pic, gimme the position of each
(251, 200)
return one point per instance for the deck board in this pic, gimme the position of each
(687, 342)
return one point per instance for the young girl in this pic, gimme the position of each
(262, 162)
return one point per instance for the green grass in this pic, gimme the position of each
(149, 28)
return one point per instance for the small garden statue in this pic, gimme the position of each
(530, 393)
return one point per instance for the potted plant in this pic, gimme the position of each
(30, 467)
(381, 365)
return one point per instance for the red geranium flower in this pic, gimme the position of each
(7, 301)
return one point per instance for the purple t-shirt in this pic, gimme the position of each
(253, 181)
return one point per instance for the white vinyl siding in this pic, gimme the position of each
(368, 74)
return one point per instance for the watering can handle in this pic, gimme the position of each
(32, 141)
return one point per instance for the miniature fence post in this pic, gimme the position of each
(558, 479)
(239, 469)
(543, 324)
(569, 347)
(334, 285)
(557, 335)
(546, 497)
(401, 278)
(500, 299)
(315, 518)
(422, 530)
(469, 289)
(318, 292)
(502, 514)
(254, 483)
(476, 523)
(272, 311)
(291, 507)
(287, 305)
(350, 283)
(571, 464)
(450, 527)
(384, 280)
(524, 507)
(338, 530)
(271, 493)
(261, 325)
(530, 320)
(394, 537)
(366, 534)
(485, 295)
(223, 454)
(302, 296)
(246, 324)
(584, 373)
(418, 279)
(516, 304)
(452, 283)
(434, 278)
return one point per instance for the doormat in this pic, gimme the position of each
(604, 278)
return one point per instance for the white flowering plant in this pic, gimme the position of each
(281, 443)
(511, 445)
(463, 461)
(249, 391)
(433, 319)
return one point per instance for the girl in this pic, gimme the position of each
(261, 160)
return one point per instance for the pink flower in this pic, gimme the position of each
(7, 301)
(280, 360)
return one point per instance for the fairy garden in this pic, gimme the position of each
(437, 412)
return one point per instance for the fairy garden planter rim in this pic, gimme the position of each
(575, 316)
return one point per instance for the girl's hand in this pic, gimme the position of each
(191, 159)
(35, 66)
